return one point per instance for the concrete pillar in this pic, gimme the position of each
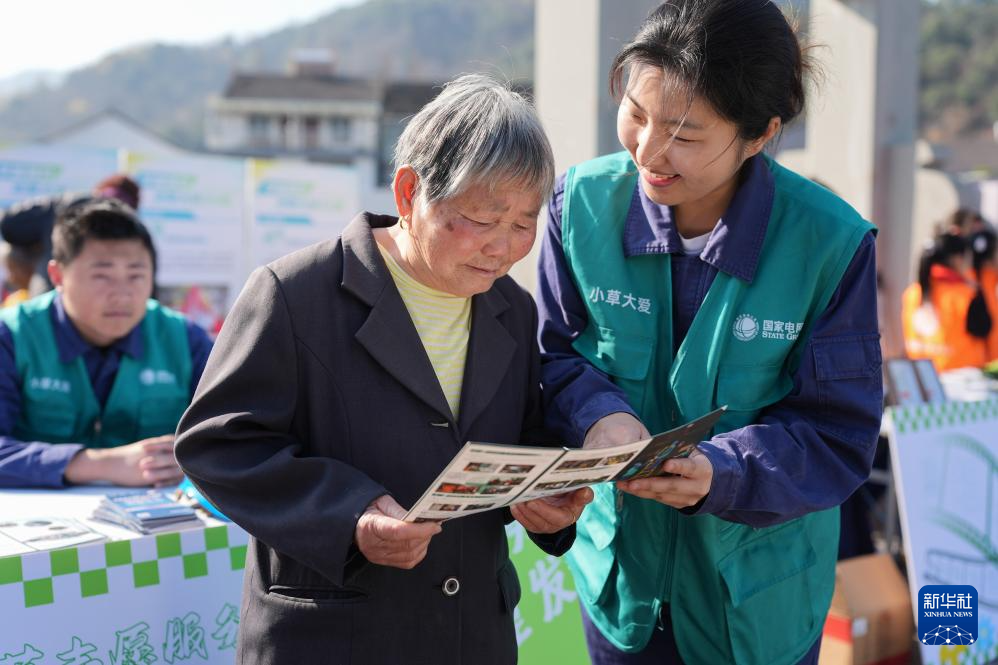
(574, 43)
(861, 128)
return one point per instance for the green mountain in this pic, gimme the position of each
(165, 87)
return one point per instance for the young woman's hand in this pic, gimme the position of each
(686, 488)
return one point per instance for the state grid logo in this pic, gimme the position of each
(152, 377)
(947, 614)
(746, 327)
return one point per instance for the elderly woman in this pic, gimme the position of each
(346, 377)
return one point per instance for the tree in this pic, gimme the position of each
(959, 66)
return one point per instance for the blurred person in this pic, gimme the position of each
(689, 272)
(30, 223)
(985, 272)
(95, 375)
(347, 376)
(19, 263)
(964, 222)
(934, 309)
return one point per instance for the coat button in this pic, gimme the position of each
(451, 586)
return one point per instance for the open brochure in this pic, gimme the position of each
(485, 476)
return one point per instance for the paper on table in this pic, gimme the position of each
(48, 533)
(9, 546)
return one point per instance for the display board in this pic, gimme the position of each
(39, 170)
(195, 209)
(945, 461)
(295, 204)
(214, 219)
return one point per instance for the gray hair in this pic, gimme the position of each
(476, 130)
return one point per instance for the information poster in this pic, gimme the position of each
(194, 208)
(31, 171)
(945, 460)
(296, 204)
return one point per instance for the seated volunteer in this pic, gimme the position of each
(347, 376)
(691, 272)
(935, 310)
(94, 375)
(29, 224)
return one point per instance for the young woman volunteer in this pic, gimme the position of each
(689, 272)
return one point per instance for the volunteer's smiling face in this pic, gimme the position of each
(688, 155)
(462, 245)
(105, 288)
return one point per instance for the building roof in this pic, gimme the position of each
(282, 86)
(399, 97)
(110, 128)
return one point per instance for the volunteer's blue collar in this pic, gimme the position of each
(734, 244)
(71, 344)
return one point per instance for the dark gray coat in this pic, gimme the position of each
(318, 398)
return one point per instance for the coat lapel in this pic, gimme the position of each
(490, 351)
(388, 334)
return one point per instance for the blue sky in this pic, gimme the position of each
(61, 35)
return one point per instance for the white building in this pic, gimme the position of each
(314, 114)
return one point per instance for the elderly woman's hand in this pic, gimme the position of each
(614, 430)
(552, 513)
(384, 539)
(690, 483)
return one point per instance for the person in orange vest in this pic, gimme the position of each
(934, 309)
(985, 271)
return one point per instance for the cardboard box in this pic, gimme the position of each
(870, 621)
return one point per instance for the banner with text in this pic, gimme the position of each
(168, 598)
(175, 597)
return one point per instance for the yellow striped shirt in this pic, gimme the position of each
(443, 322)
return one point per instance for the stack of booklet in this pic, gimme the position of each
(146, 511)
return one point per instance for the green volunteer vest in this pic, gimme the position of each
(736, 594)
(58, 403)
